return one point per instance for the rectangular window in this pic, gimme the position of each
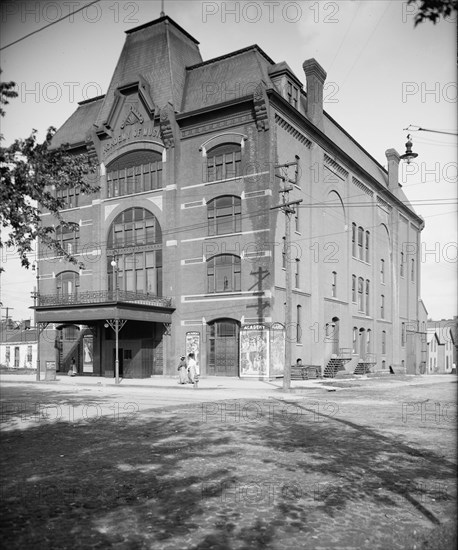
(367, 296)
(360, 294)
(360, 242)
(296, 277)
(353, 240)
(367, 246)
(334, 285)
(382, 271)
(403, 334)
(16, 356)
(401, 267)
(29, 354)
(8, 354)
(412, 270)
(298, 324)
(383, 342)
(382, 307)
(353, 289)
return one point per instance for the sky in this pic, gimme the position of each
(383, 74)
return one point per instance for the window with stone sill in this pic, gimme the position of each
(223, 273)
(134, 172)
(68, 238)
(70, 196)
(224, 162)
(224, 215)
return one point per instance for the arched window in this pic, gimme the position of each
(360, 243)
(224, 215)
(224, 162)
(368, 287)
(367, 246)
(355, 340)
(353, 289)
(67, 283)
(353, 240)
(383, 342)
(134, 172)
(223, 273)
(68, 238)
(360, 294)
(135, 244)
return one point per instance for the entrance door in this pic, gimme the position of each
(335, 336)
(120, 357)
(223, 353)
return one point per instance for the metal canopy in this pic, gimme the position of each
(82, 313)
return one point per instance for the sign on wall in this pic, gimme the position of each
(277, 350)
(88, 353)
(193, 346)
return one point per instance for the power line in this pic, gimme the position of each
(49, 25)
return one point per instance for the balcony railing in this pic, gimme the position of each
(102, 296)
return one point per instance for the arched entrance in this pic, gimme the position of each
(223, 348)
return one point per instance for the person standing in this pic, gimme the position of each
(191, 368)
(182, 370)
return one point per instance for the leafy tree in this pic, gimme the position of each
(433, 10)
(30, 174)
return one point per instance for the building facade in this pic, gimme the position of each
(442, 346)
(182, 250)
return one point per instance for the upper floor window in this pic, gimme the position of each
(68, 238)
(368, 235)
(296, 274)
(383, 342)
(412, 270)
(353, 289)
(224, 215)
(134, 227)
(224, 162)
(70, 196)
(334, 284)
(224, 273)
(353, 240)
(67, 283)
(298, 324)
(382, 271)
(382, 306)
(135, 240)
(360, 243)
(401, 268)
(134, 172)
(368, 285)
(292, 94)
(360, 294)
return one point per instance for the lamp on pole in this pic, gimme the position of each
(36, 296)
(114, 265)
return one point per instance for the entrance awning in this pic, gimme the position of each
(85, 307)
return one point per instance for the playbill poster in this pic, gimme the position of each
(193, 346)
(88, 348)
(254, 351)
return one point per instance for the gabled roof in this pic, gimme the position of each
(75, 129)
(159, 52)
(226, 78)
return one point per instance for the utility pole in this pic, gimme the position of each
(287, 207)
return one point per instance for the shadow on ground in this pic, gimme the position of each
(188, 479)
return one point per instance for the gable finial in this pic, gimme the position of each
(162, 9)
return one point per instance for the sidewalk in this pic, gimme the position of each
(210, 382)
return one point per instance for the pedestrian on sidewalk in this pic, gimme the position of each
(72, 370)
(191, 368)
(182, 370)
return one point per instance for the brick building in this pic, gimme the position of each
(181, 243)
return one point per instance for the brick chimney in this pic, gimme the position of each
(315, 77)
(393, 158)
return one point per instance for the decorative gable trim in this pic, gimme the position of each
(364, 188)
(335, 167)
(291, 130)
(167, 119)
